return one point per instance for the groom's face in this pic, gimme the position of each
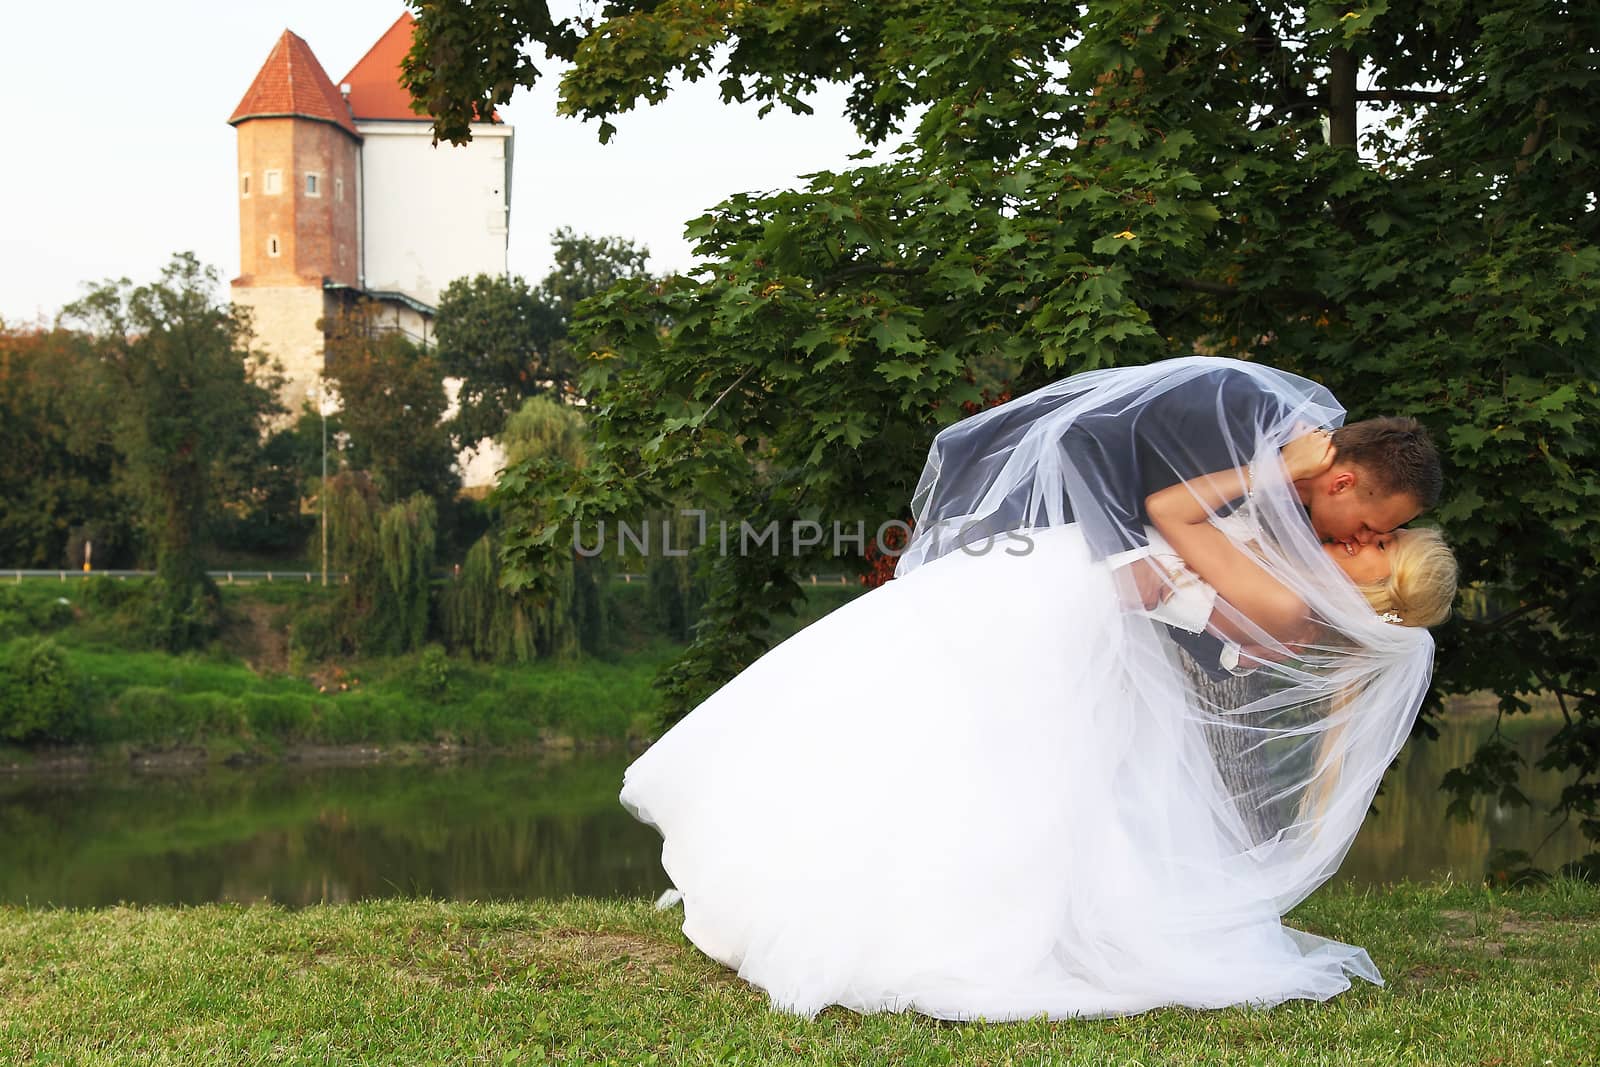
(1345, 509)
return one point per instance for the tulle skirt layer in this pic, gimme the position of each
(954, 795)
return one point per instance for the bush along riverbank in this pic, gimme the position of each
(1473, 976)
(79, 683)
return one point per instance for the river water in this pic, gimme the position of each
(544, 827)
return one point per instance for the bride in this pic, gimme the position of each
(1009, 783)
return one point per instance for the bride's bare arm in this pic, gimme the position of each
(1182, 513)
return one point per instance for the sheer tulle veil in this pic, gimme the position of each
(1289, 755)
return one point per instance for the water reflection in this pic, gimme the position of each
(1410, 836)
(477, 830)
(525, 828)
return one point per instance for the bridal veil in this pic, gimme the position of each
(1288, 752)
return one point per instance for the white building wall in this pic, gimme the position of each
(432, 214)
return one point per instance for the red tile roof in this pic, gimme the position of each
(375, 89)
(292, 82)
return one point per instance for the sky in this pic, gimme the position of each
(120, 154)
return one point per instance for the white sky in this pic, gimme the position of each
(120, 154)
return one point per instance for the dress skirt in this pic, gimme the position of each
(972, 792)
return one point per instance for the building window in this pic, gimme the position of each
(313, 183)
(272, 182)
(272, 245)
(244, 185)
(338, 189)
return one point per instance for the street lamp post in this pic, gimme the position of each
(322, 494)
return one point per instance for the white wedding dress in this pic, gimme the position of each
(1001, 815)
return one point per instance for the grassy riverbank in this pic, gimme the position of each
(1474, 977)
(139, 702)
(248, 695)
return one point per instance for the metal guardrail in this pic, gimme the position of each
(307, 577)
(65, 575)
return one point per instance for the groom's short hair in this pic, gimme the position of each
(1397, 453)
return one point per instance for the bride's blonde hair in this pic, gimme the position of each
(1420, 589)
(1422, 579)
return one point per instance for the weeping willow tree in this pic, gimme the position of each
(546, 428)
(388, 553)
(479, 615)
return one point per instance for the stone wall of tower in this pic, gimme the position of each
(305, 230)
(285, 320)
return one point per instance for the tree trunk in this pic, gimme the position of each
(1342, 98)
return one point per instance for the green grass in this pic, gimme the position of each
(1474, 977)
(147, 698)
(217, 700)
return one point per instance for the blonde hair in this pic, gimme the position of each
(1422, 579)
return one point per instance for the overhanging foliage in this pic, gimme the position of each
(1391, 199)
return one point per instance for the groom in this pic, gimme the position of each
(1386, 472)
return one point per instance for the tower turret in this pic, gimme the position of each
(298, 205)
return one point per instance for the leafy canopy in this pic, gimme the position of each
(507, 341)
(193, 400)
(392, 403)
(1389, 198)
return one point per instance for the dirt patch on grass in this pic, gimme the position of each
(257, 634)
(1487, 935)
(553, 958)
(595, 948)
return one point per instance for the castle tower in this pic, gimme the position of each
(299, 197)
(344, 197)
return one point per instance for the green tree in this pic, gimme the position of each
(388, 551)
(1388, 198)
(392, 397)
(507, 341)
(192, 400)
(60, 468)
(495, 334)
(261, 509)
(482, 616)
(543, 428)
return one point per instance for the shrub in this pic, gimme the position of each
(13, 623)
(107, 593)
(286, 718)
(41, 696)
(314, 633)
(22, 614)
(52, 614)
(433, 672)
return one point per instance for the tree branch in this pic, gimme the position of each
(1505, 617)
(1303, 296)
(857, 269)
(1404, 96)
(1200, 285)
(722, 394)
(1530, 144)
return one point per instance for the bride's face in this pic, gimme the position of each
(1365, 563)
